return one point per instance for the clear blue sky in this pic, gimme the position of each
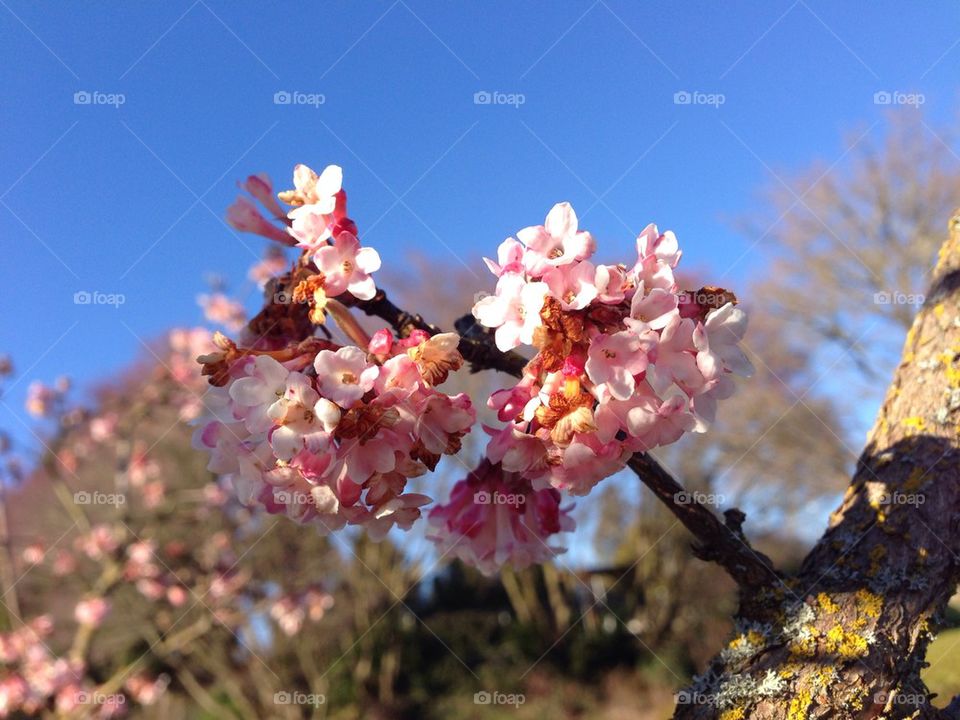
(128, 199)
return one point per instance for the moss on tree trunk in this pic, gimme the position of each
(847, 636)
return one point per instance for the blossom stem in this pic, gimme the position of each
(348, 323)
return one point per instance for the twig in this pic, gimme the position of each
(720, 542)
(480, 351)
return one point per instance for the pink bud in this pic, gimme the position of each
(415, 338)
(262, 189)
(381, 342)
(244, 216)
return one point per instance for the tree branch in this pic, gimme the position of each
(721, 542)
(476, 346)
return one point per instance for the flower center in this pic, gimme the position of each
(348, 378)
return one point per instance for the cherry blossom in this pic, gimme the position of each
(273, 263)
(509, 258)
(255, 394)
(557, 242)
(614, 360)
(303, 418)
(91, 611)
(573, 285)
(346, 267)
(514, 310)
(494, 518)
(312, 192)
(621, 360)
(220, 309)
(345, 375)
(625, 361)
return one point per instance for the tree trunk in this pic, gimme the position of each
(847, 636)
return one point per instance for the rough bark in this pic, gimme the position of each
(847, 636)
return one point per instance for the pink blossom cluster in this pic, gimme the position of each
(44, 400)
(35, 680)
(291, 610)
(495, 518)
(153, 582)
(626, 361)
(331, 437)
(222, 310)
(317, 223)
(91, 611)
(33, 676)
(274, 262)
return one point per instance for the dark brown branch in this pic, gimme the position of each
(477, 348)
(723, 543)
(716, 541)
